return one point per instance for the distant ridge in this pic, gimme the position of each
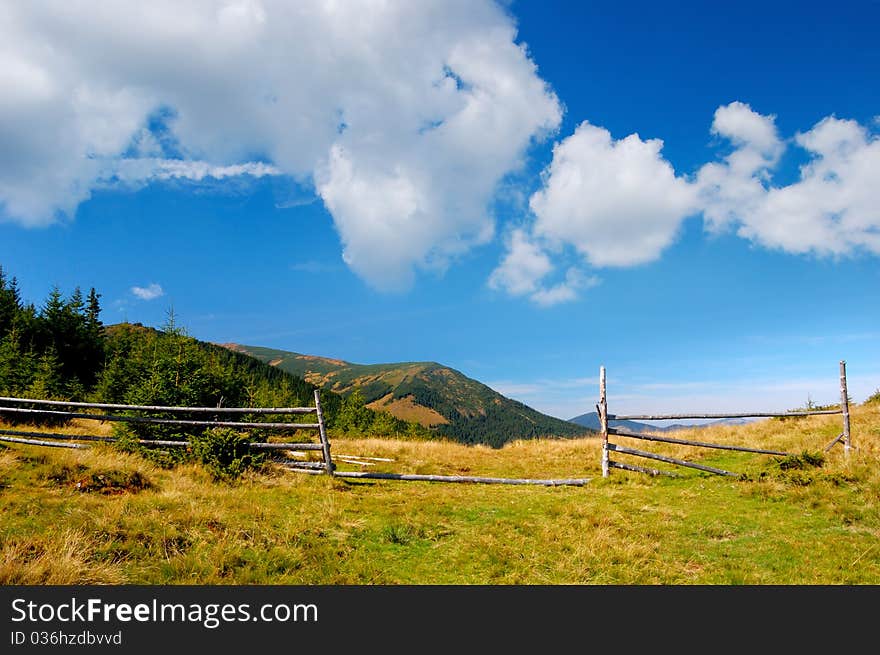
(437, 396)
(591, 420)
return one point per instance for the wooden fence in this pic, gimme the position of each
(51, 408)
(607, 431)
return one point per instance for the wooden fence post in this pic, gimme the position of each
(325, 443)
(602, 409)
(844, 408)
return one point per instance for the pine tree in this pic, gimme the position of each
(17, 365)
(48, 382)
(9, 303)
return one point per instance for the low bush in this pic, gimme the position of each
(224, 452)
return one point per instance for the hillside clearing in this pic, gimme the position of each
(788, 523)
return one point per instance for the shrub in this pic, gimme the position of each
(127, 442)
(224, 452)
(106, 481)
(803, 461)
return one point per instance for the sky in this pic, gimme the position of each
(684, 193)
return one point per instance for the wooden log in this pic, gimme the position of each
(639, 469)
(356, 462)
(375, 459)
(298, 469)
(325, 442)
(285, 446)
(162, 408)
(602, 409)
(833, 441)
(369, 475)
(160, 421)
(308, 465)
(258, 445)
(660, 417)
(700, 444)
(37, 442)
(670, 460)
(155, 442)
(53, 435)
(844, 406)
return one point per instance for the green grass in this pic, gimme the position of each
(789, 521)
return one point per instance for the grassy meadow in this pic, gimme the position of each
(101, 516)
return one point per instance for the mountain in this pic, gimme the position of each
(591, 421)
(438, 397)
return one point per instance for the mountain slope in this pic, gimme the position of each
(436, 396)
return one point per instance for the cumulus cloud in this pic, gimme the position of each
(524, 269)
(617, 202)
(402, 116)
(620, 203)
(149, 292)
(833, 209)
(737, 185)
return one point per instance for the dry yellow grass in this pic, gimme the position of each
(408, 410)
(804, 526)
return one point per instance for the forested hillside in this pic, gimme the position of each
(61, 350)
(441, 398)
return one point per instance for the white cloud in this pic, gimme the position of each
(832, 209)
(737, 184)
(575, 281)
(619, 203)
(149, 292)
(524, 268)
(139, 170)
(405, 116)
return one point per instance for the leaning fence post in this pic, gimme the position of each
(602, 409)
(844, 408)
(325, 443)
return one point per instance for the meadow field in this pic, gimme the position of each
(100, 516)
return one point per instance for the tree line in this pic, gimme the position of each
(54, 351)
(61, 350)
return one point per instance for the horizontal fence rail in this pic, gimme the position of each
(669, 460)
(157, 421)
(162, 408)
(701, 444)
(13, 434)
(59, 440)
(324, 466)
(660, 417)
(605, 417)
(639, 469)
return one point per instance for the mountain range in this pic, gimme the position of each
(434, 395)
(591, 421)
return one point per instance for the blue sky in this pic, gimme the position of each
(477, 184)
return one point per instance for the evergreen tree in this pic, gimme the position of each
(48, 382)
(17, 365)
(10, 303)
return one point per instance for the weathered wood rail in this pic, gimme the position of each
(607, 431)
(326, 466)
(58, 440)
